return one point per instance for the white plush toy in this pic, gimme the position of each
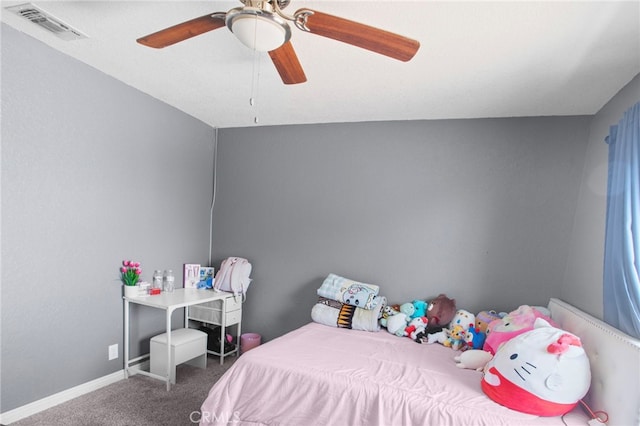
(463, 318)
(397, 323)
(438, 337)
(473, 359)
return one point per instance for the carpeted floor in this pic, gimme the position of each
(139, 400)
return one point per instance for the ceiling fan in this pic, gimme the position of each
(262, 25)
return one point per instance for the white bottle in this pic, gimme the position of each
(169, 281)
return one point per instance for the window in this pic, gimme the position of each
(622, 230)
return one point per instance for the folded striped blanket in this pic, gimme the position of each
(335, 314)
(349, 292)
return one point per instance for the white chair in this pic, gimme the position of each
(188, 345)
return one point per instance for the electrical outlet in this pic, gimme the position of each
(113, 352)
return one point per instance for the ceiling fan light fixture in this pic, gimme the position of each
(258, 29)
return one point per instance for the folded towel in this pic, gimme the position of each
(350, 292)
(348, 316)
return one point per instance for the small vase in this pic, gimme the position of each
(131, 291)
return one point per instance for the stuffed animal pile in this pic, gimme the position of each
(480, 336)
(488, 330)
(439, 321)
(505, 347)
(416, 319)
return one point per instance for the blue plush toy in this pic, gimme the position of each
(420, 307)
(206, 284)
(474, 338)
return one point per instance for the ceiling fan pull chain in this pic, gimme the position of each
(255, 85)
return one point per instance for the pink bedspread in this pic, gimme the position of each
(319, 375)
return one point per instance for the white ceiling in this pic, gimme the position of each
(477, 59)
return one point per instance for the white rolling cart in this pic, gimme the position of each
(226, 313)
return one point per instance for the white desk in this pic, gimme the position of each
(180, 298)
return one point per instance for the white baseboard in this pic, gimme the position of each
(58, 398)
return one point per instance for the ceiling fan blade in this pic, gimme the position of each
(287, 64)
(183, 31)
(360, 35)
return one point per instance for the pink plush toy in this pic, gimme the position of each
(513, 324)
(544, 371)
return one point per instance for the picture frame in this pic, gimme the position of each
(207, 272)
(191, 276)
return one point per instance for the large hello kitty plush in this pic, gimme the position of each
(544, 371)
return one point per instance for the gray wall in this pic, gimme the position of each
(582, 284)
(481, 210)
(92, 172)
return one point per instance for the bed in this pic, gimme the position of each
(320, 375)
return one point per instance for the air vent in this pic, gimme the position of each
(46, 21)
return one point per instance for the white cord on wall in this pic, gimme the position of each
(213, 195)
